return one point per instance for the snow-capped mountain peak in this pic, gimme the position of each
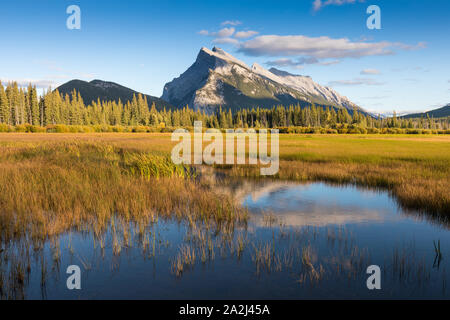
(307, 86)
(256, 68)
(218, 79)
(221, 54)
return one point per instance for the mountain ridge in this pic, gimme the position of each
(217, 78)
(107, 91)
(435, 113)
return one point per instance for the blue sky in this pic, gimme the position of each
(404, 66)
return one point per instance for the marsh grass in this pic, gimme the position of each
(54, 187)
(406, 267)
(57, 186)
(123, 187)
(150, 166)
(415, 171)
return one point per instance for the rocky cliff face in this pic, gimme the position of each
(219, 79)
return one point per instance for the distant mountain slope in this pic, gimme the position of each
(307, 86)
(106, 91)
(219, 79)
(437, 113)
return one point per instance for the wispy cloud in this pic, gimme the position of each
(231, 23)
(408, 47)
(245, 34)
(329, 63)
(299, 63)
(225, 41)
(356, 82)
(323, 50)
(222, 36)
(284, 62)
(224, 33)
(39, 83)
(370, 72)
(316, 47)
(319, 4)
(228, 35)
(405, 69)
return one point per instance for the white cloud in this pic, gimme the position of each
(319, 4)
(410, 69)
(245, 34)
(315, 47)
(370, 72)
(299, 63)
(42, 84)
(225, 40)
(356, 82)
(222, 36)
(329, 63)
(408, 47)
(231, 23)
(284, 62)
(224, 33)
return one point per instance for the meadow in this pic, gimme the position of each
(55, 183)
(414, 169)
(87, 178)
(125, 184)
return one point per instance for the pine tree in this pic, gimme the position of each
(34, 106)
(4, 106)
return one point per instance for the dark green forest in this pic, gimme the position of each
(21, 107)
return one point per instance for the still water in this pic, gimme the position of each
(302, 241)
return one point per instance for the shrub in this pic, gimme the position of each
(117, 129)
(373, 131)
(61, 128)
(331, 131)
(6, 128)
(139, 129)
(21, 128)
(36, 129)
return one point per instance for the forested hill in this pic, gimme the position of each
(436, 113)
(107, 91)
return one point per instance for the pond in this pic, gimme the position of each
(302, 241)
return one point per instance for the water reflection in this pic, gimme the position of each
(317, 205)
(302, 241)
(321, 204)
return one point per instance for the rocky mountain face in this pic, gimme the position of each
(219, 79)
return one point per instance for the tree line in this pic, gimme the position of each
(19, 106)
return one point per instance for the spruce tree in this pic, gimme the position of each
(4, 106)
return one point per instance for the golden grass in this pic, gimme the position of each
(51, 184)
(49, 187)
(416, 171)
(56, 182)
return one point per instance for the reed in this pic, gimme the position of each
(415, 171)
(52, 187)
